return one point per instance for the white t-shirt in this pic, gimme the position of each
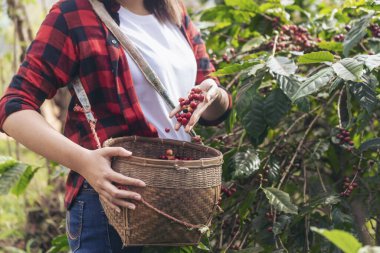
(169, 54)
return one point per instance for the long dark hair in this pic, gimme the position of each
(165, 10)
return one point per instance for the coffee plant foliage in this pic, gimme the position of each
(301, 145)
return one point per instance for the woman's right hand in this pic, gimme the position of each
(93, 165)
(102, 177)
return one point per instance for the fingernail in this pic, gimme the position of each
(138, 197)
(118, 210)
(132, 207)
(143, 184)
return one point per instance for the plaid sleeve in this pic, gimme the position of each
(49, 63)
(204, 65)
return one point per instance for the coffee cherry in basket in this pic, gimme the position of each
(170, 155)
(169, 152)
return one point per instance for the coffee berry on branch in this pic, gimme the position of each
(293, 38)
(348, 186)
(344, 138)
(375, 30)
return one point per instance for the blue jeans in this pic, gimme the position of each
(87, 226)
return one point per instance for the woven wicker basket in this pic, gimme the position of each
(180, 197)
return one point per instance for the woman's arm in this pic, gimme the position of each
(31, 129)
(217, 111)
(49, 64)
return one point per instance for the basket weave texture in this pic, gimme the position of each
(180, 196)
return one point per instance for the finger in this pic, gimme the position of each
(212, 94)
(177, 126)
(116, 177)
(118, 202)
(124, 203)
(115, 151)
(196, 115)
(207, 83)
(110, 204)
(116, 193)
(175, 111)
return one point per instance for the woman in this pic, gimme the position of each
(73, 42)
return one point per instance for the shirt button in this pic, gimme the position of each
(114, 42)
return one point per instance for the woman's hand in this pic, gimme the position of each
(102, 178)
(210, 91)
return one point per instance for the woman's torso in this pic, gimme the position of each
(169, 54)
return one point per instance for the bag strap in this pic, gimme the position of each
(134, 53)
(86, 108)
(130, 48)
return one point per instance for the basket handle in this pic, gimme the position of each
(184, 223)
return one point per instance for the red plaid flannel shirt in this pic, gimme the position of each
(73, 42)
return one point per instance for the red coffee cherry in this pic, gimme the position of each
(169, 152)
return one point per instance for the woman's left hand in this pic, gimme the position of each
(210, 90)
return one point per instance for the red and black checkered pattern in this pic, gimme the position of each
(73, 42)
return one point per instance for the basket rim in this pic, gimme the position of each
(143, 161)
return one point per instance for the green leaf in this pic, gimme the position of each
(372, 144)
(233, 68)
(242, 4)
(10, 177)
(21, 185)
(331, 46)
(244, 207)
(344, 108)
(6, 162)
(354, 3)
(274, 169)
(253, 79)
(356, 34)
(324, 199)
(250, 110)
(343, 240)
(365, 93)
(252, 43)
(59, 244)
(201, 246)
(336, 84)
(316, 57)
(276, 106)
(349, 69)
(371, 61)
(245, 163)
(314, 83)
(288, 84)
(280, 200)
(374, 45)
(256, 68)
(281, 65)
